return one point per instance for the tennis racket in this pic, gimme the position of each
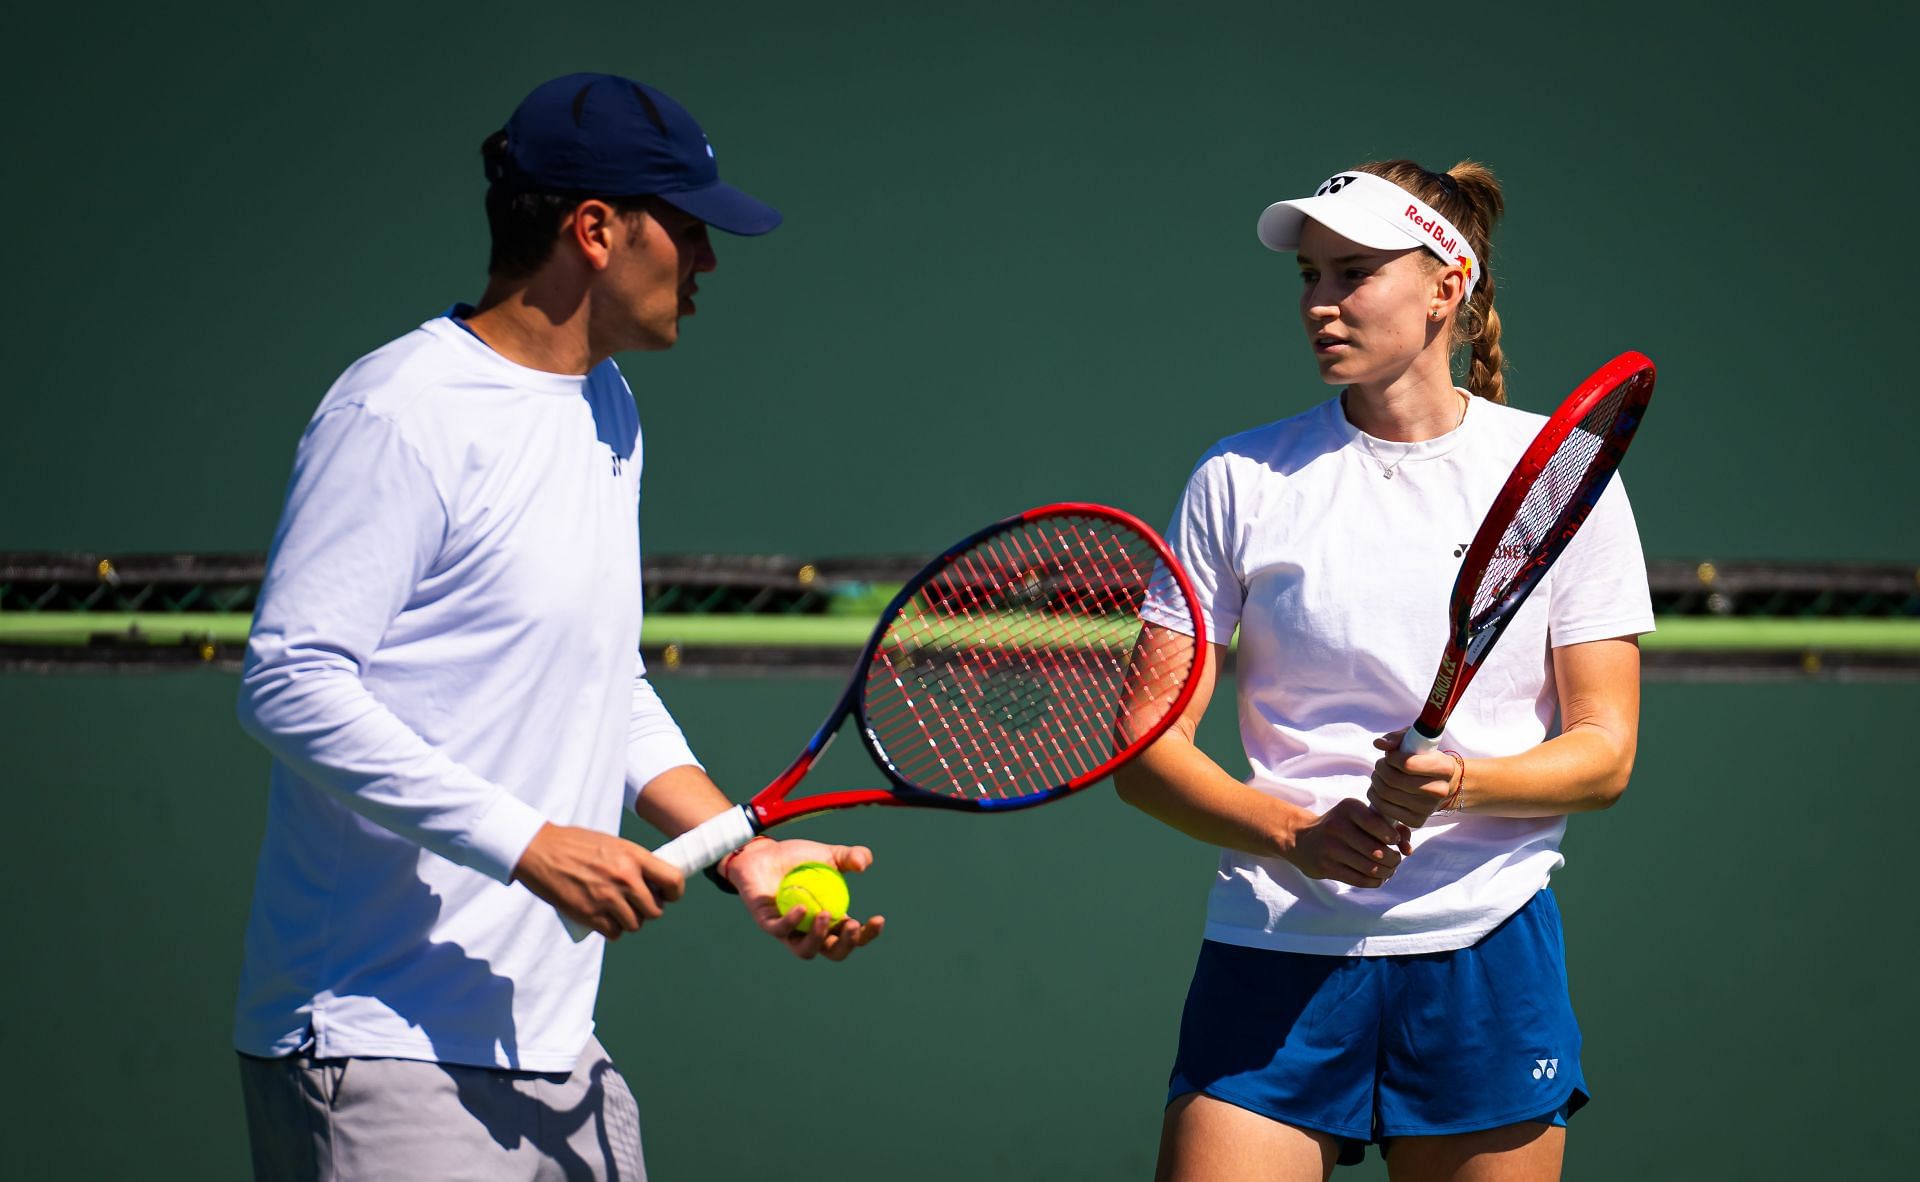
(1007, 673)
(1543, 504)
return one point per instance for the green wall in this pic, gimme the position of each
(1019, 261)
(1733, 949)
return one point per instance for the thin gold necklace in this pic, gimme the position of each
(1387, 470)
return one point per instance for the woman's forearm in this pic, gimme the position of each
(1179, 785)
(1585, 767)
(1580, 771)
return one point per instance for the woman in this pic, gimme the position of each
(1383, 960)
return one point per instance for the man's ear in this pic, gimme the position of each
(591, 228)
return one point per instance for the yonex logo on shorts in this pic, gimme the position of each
(1546, 1068)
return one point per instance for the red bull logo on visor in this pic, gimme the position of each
(1435, 228)
(1359, 205)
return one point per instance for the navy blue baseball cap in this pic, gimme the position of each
(601, 135)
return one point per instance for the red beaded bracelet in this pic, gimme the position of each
(718, 871)
(1459, 781)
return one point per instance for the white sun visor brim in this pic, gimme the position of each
(1281, 223)
(1374, 212)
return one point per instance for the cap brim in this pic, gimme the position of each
(724, 207)
(1280, 224)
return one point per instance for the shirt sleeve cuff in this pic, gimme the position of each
(1183, 624)
(1614, 630)
(656, 754)
(494, 845)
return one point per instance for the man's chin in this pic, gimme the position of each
(653, 340)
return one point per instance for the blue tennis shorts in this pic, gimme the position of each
(1368, 1048)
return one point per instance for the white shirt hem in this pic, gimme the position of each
(1347, 945)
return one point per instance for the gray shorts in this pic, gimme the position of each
(345, 1120)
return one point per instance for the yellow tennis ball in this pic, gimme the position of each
(816, 886)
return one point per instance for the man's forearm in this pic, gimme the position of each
(679, 798)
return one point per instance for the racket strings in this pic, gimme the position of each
(1568, 477)
(1018, 668)
(949, 713)
(968, 722)
(980, 689)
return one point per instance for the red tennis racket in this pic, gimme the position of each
(1543, 504)
(1007, 673)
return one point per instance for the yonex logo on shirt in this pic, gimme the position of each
(1511, 551)
(1546, 1068)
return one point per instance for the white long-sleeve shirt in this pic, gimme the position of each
(445, 657)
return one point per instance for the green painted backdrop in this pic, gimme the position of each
(1019, 260)
(1018, 265)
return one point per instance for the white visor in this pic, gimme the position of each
(1374, 212)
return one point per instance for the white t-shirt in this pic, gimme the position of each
(445, 656)
(1338, 580)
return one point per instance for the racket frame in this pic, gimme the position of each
(770, 805)
(1471, 637)
(706, 843)
(712, 839)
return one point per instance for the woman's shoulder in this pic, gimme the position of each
(1508, 419)
(1282, 446)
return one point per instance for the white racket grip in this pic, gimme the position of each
(1413, 742)
(695, 850)
(710, 840)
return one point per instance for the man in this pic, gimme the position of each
(445, 667)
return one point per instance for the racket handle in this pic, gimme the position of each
(1413, 742)
(696, 849)
(710, 840)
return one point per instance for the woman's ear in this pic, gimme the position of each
(1449, 292)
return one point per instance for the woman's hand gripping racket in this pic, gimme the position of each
(1541, 507)
(1006, 674)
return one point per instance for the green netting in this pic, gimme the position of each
(847, 631)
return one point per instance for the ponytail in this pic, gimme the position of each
(1469, 195)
